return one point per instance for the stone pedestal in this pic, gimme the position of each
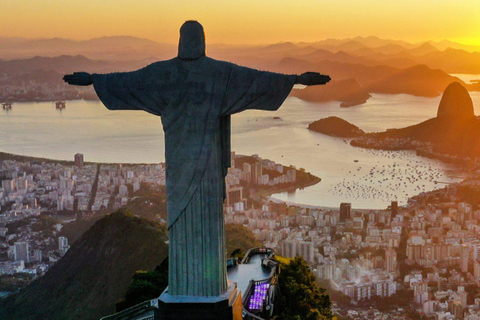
(227, 306)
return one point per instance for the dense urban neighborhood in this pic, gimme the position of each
(424, 256)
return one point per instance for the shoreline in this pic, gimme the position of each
(472, 87)
(266, 194)
(310, 206)
(445, 158)
(258, 195)
(20, 157)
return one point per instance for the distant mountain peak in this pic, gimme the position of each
(456, 103)
(287, 60)
(121, 38)
(424, 48)
(422, 67)
(427, 45)
(281, 45)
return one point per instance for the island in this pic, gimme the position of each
(336, 127)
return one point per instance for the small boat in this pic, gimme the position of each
(7, 106)
(60, 105)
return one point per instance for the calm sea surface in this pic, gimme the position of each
(368, 179)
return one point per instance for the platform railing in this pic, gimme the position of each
(253, 251)
(263, 288)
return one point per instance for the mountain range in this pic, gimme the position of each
(358, 66)
(104, 48)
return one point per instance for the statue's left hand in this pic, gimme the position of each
(312, 79)
(78, 79)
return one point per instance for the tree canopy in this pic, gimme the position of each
(299, 296)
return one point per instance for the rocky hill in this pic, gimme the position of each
(97, 271)
(456, 103)
(454, 133)
(94, 274)
(349, 92)
(418, 80)
(336, 127)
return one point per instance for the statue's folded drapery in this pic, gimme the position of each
(195, 100)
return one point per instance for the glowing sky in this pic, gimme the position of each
(244, 21)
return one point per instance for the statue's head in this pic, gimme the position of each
(192, 41)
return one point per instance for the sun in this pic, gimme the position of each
(471, 41)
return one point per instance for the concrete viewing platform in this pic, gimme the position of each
(244, 272)
(255, 278)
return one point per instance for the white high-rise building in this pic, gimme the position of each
(79, 160)
(8, 185)
(123, 190)
(391, 260)
(476, 269)
(21, 251)
(464, 258)
(257, 171)
(307, 251)
(37, 255)
(247, 170)
(62, 243)
(292, 174)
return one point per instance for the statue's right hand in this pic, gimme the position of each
(312, 79)
(78, 79)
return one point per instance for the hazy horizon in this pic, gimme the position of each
(246, 22)
(474, 47)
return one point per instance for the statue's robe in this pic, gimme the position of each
(195, 100)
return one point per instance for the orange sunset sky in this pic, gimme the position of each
(245, 21)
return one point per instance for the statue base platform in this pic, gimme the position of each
(227, 306)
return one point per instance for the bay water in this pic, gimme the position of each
(366, 178)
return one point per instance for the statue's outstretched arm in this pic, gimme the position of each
(312, 79)
(78, 79)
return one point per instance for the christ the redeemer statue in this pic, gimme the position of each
(195, 97)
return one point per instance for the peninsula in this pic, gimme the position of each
(453, 135)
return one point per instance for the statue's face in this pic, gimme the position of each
(192, 41)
